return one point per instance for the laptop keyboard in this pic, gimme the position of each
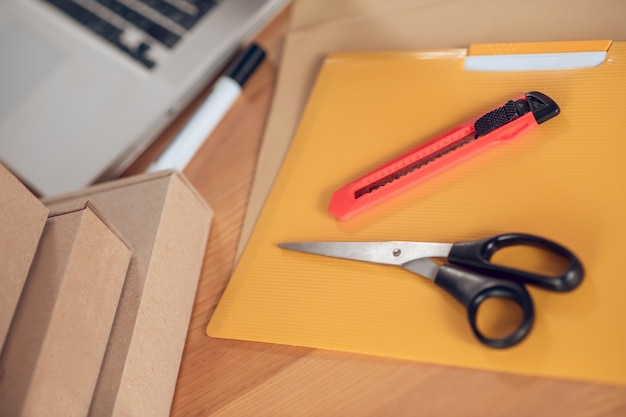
(134, 26)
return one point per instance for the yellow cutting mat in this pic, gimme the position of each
(565, 180)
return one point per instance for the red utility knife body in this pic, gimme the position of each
(505, 123)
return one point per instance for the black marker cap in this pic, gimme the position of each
(246, 65)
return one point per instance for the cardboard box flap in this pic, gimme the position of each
(77, 206)
(22, 222)
(56, 201)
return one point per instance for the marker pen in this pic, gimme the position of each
(202, 123)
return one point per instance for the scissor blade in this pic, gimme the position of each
(387, 253)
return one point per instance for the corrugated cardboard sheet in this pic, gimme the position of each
(565, 180)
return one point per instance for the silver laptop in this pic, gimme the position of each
(85, 85)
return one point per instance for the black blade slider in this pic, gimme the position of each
(542, 107)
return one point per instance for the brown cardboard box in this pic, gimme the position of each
(54, 349)
(22, 219)
(167, 224)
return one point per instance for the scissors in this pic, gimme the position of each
(468, 275)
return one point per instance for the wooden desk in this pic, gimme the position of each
(236, 378)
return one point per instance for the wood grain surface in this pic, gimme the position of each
(237, 378)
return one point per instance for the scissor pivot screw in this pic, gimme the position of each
(396, 252)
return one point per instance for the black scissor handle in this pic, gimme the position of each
(472, 289)
(476, 255)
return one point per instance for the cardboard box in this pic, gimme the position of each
(21, 223)
(54, 349)
(167, 224)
